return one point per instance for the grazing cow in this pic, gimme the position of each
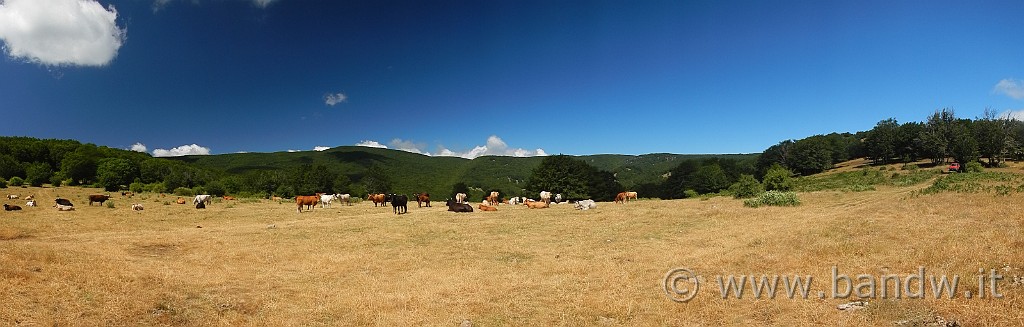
(484, 207)
(421, 199)
(400, 202)
(202, 198)
(345, 198)
(558, 198)
(620, 198)
(31, 203)
(630, 196)
(460, 198)
(306, 200)
(98, 198)
(63, 202)
(12, 196)
(458, 207)
(378, 199)
(61, 207)
(585, 205)
(493, 198)
(9, 207)
(545, 197)
(229, 198)
(137, 206)
(201, 205)
(180, 200)
(326, 199)
(537, 204)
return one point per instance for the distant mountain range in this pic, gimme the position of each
(410, 172)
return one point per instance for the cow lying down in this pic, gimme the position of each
(585, 205)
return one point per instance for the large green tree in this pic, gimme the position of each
(115, 172)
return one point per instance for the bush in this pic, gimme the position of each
(110, 204)
(778, 178)
(746, 187)
(3, 183)
(973, 167)
(184, 191)
(16, 181)
(773, 198)
(215, 188)
(690, 194)
(156, 188)
(137, 187)
(56, 181)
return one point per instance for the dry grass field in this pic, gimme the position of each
(250, 262)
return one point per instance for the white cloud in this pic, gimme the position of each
(320, 148)
(1013, 115)
(139, 147)
(335, 98)
(263, 3)
(1010, 87)
(60, 32)
(408, 146)
(371, 144)
(494, 146)
(290, 150)
(184, 150)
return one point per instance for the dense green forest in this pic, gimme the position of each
(361, 170)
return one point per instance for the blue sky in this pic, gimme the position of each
(496, 77)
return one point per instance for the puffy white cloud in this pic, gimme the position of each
(184, 150)
(371, 144)
(1013, 115)
(335, 98)
(139, 147)
(320, 148)
(408, 146)
(60, 32)
(1010, 87)
(494, 146)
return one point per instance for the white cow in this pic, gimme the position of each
(558, 198)
(31, 203)
(204, 198)
(460, 198)
(61, 207)
(514, 200)
(545, 196)
(585, 205)
(326, 199)
(137, 206)
(12, 196)
(345, 198)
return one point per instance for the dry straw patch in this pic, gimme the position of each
(261, 263)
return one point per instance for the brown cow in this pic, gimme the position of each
(630, 196)
(180, 200)
(421, 198)
(484, 207)
(620, 198)
(493, 198)
(536, 204)
(378, 198)
(98, 198)
(226, 197)
(306, 200)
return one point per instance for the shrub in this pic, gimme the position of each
(773, 198)
(778, 178)
(137, 187)
(110, 204)
(56, 181)
(973, 167)
(184, 191)
(16, 181)
(746, 187)
(156, 188)
(690, 194)
(215, 188)
(3, 183)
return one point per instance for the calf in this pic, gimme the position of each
(484, 207)
(9, 207)
(460, 198)
(421, 199)
(458, 207)
(400, 203)
(99, 198)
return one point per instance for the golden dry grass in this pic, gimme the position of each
(261, 263)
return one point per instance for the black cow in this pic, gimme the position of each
(202, 205)
(63, 202)
(11, 207)
(400, 202)
(458, 207)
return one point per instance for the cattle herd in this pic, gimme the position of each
(398, 202)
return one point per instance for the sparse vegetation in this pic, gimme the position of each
(773, 198)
